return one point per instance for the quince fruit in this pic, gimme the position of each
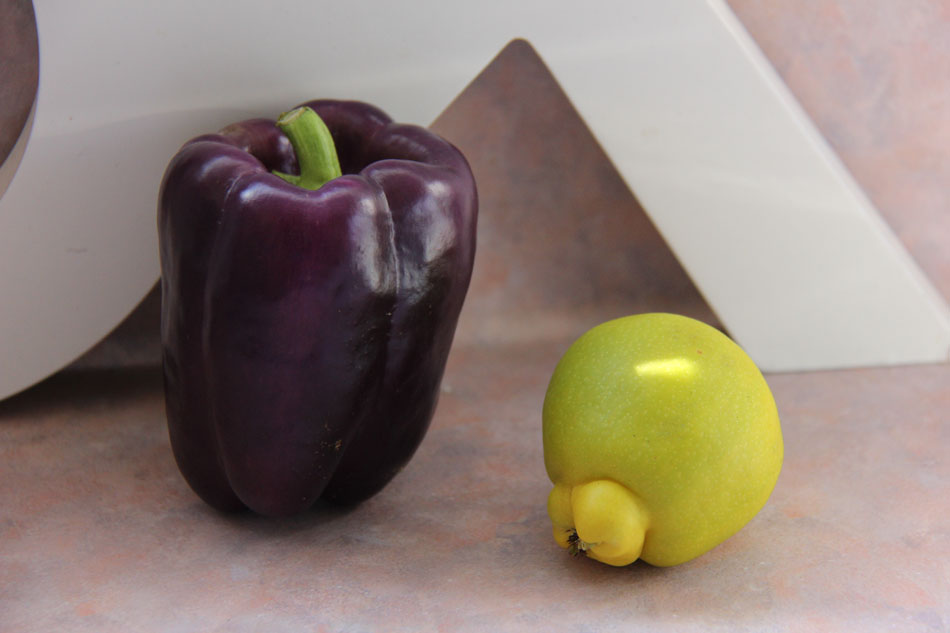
(662, 440)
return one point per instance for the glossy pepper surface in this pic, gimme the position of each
(306, 325)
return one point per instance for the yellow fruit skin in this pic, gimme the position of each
(610, 517)
(674, 413)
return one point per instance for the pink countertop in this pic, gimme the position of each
(99, 532)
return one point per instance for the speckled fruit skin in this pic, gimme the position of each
(662, 439)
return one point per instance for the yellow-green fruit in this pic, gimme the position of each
(661, 438)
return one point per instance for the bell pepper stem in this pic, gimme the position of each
(314, 147)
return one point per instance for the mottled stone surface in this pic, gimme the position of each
(98, 531)
(19, 69)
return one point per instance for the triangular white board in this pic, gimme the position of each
(775, 233)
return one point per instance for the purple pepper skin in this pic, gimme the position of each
(305, 333)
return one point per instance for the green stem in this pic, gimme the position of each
(314, 147)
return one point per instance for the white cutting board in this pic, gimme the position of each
(775, 233)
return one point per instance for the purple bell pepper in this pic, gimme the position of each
(309, 302)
